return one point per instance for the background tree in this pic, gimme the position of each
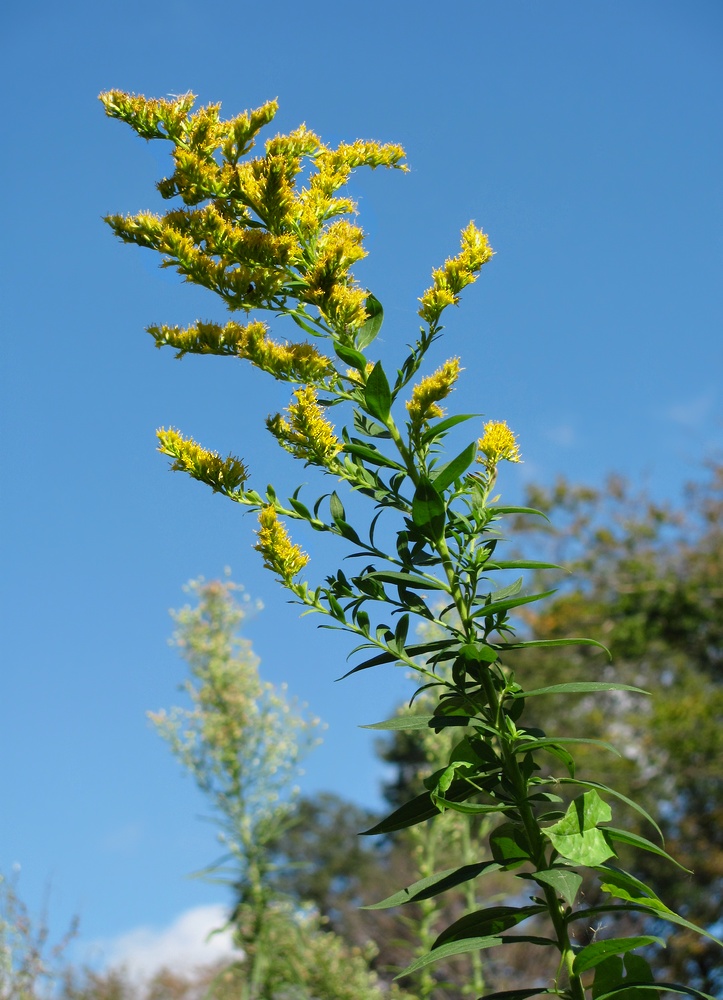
(242, 740)
(649, 578)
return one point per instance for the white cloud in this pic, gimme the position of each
(563, 435)
(183, 946)
(693, 413)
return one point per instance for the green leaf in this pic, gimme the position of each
(635, 840)
(509, 845)
(408, 580)
(351, 357)
(647, 988)
(471, 808)
(433, 885)
(517, 510)
(575, 687)
(438, 430)
(565, 882)
(377, 394)
(428, 510)
(418, 809)
(401, 631)
(402, 722)
(456, 468)
(593, 954)
(491, 920)
(499, 607)
(373, 661)
(669, 917)
(577, 837)
(368, 331)
(531, 743)
(609, 977)
(617, 795)
(519, 994)
(370, 454)
(511, 590)
(564, 642)
(520, 564)
(468, 945)
(621, 885)
(478, 653)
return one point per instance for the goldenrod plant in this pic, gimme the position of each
(272, 233)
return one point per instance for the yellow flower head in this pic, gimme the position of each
(497, 444)
(455, 274)
(280, 554)
(308, 434)
(424, 404)
(223, 475)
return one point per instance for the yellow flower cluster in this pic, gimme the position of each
(258, 239)
(308, 435)
(497, 444)
(297, 362)
(280, 554)
(424, 404)
(455, 274)
(223, 475)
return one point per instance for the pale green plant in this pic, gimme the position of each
(270, 233)
(242, 740)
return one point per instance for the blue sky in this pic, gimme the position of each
(584, 138)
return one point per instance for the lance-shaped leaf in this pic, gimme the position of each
(351, 357)
(491, 920)
(402, 722)
(439, 430)
(621, 885)
(577, 837)
(371, 454)
(574, 687)
(658, 914)
(409, 580)
(418, 809)
(455, 469)
(375, 317)
(377, 394)
(472, 944)
(428, 510)
(596, 952)
(635, 840)
(539, 991)
(499, 607)
(435, 884)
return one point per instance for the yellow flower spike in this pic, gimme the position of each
(456, 273)
(223, 475)
(294, 362)
(280, 554)
(497, 444)
(308, 435)
(424, 404)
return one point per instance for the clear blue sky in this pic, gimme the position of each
(584, 138)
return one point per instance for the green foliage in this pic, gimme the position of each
(258, 232)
